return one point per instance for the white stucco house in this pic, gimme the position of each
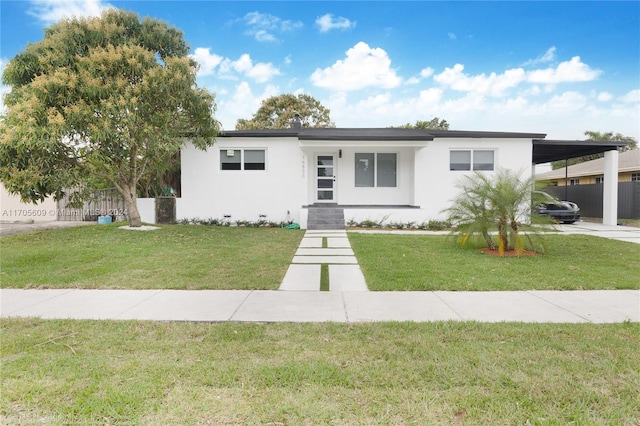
(402, 175)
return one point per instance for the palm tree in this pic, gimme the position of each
(470, 211)
(488, 204)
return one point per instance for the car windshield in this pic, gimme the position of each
(546, 198)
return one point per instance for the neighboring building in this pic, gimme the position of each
(392, 174)
(14, 210)
(592, 171)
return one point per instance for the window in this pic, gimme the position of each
(460, 160)
(599, 179)
(387, 170)
(635, 177)
(482, 160)
(465, 159)
(575, 181)
(242, 159)
(376, 170)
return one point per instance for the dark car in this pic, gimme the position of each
(561, 211)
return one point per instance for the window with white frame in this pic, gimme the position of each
(599, 179)
(471, 159)
(376, 170)
(575, 181)
(635, 177)
(242, 159)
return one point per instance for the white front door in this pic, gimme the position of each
(325, 176)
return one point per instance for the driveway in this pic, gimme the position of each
(620, 233)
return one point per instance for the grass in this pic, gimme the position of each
(120, 372)
(324, 277)
(571, 262)
(630, 222)
(203, 257)
(173, 257)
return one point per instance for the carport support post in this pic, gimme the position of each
(610, 189)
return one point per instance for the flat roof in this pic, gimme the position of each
(544, 150)
(382, 133)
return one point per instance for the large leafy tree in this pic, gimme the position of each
(434, 124)
(488, 204)
(109, 98)
(279, 112)
(598, 136)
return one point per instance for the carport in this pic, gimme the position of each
(546, 151)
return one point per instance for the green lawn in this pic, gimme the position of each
(419, 262)
(205, 257)
(121, 372)
(175, 256)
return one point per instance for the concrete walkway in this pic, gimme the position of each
(620, 233)
(347, 301)
(319, 248)
(595, 306)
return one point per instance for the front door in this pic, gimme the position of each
(325, 178)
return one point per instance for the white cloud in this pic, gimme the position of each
(604, 96)
(547, 56)
(566, 72)
(264, 35)
(362, 67)
(260, 72)
(243, 103)
(426, 72)
(564, 116)
(50, 11)
(329, 22)
(568, 101)
(263, 26)
(452, 36)
(208, 61)
(492, 85)
(378, 103)
(498, 85)
(631, 97)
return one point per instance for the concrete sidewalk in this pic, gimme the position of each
(595, 306)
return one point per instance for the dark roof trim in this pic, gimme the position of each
(377, 134)
(546, 150)
(263, 133)
(369, 134)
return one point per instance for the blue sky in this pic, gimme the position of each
(551, 67)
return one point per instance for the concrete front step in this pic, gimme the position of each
(327, 226)
(325, 218)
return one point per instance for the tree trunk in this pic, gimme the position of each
(489, 241)
(132, 208)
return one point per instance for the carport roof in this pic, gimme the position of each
(548, 150)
